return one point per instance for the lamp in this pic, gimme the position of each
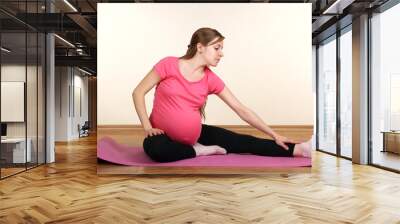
(70, 5)
(5, 49)
(64, 40)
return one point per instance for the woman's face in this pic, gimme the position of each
(212, 53)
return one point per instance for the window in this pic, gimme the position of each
(346, 93)
(385, 88)
(327, 96)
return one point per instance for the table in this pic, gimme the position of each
(391, 141)
(17, 150)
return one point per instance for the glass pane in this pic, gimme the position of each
(13, 87)
(386, 89)
(31, 101)
(23, 87)
(346, 94)
(41, 98)
(327, 96)
(77, 111)
(395, 102)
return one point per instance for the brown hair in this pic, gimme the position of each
(204, 36)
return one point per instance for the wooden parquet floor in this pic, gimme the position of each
(69, 191)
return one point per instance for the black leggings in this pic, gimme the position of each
(161, 148)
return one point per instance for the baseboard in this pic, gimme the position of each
(132, 135)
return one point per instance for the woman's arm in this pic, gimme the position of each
(245, 113)
(138, 95)
(250, 117)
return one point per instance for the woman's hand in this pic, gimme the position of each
(281, 140)
(153, 131)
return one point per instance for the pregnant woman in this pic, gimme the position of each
(174, 130)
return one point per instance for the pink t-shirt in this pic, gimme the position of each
(177, 101)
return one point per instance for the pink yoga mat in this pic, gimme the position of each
(111, 151)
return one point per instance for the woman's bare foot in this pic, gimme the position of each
(303, 149)
(205, 150)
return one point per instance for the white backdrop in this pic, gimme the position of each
(12, 101)
(267, 62)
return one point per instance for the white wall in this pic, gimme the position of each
(267, 62)
(80, 83)
(33, 127)
(61, 103)
(17, 73)
(66, 81)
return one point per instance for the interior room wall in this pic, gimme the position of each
(80, 116)
(69, 81)
(92, 100)
(16, 72)
(62, 80)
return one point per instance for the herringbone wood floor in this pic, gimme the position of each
(69, 191)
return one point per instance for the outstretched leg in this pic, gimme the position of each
(303, 149)
(241, 143)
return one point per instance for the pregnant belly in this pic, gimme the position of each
(181, 127)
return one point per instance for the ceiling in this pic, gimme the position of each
(76, 22)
